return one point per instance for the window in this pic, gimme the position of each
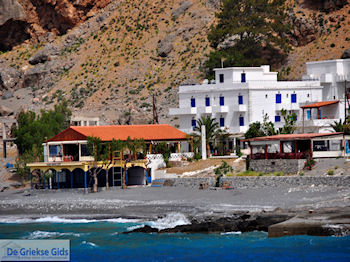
(277, 119)
(240, 100)
(207, 101)
(266, 96)
(308, 114)
(241, 121)
(294, 98)
(222, 101)
(84, 150)
(222, 121)
(287, 95)
(55, 150)
(221, 78)
(308, 95)
(278, 99)
(194, 122)
(243, 78)
(193, 102)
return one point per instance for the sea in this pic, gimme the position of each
(103, 240)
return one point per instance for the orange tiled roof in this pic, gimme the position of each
(121, 132)
(320, 104)
(305, 136)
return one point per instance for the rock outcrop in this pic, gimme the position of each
(21, 20)
(10, 78)
(346, 54)
(304, 30)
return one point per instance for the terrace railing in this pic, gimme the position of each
(299, 155)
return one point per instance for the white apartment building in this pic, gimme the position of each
(333, 76)
(240, 96)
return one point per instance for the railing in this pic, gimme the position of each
(173, 156)
(299, 155)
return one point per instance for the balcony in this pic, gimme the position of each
(317, 122)
(242, 108)
(183, 111)
(220, 109)
(205, 110)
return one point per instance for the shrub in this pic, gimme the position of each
(301, 173)
(330, 172)
(223, 169)
(278, 173)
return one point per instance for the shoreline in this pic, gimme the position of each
(279, 210)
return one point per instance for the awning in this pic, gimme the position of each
(320, 104)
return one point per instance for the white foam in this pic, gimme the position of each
(171, 220)
(48, 234)
(231, 233)
(135, 227)
(89, 243)
(55, 219)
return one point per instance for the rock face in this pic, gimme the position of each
(43, 55)
(304, 30)
(346, 54)
(9, 78)
(5, 111)
(184, 5)
(32, 19)
(166, 45)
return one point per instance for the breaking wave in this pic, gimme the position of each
(48, 234)
(171, 220)
(55, 219)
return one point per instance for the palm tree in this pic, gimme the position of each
(338, 126)
(212, 129)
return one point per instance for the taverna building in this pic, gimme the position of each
(240, 96)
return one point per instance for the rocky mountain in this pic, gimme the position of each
(108, 57)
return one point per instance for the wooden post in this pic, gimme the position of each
(150, 148)
(303, 121)
(311, 148)
(178, 147)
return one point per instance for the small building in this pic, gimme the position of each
(84, 121)
(69, 162)
(288, 152)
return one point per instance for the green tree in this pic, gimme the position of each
(256, 29)
(212, 129)
(338, 126)
(289, 123)
(257, 129)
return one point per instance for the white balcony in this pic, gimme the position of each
(183, 111)
(243, 129)
(242, 108)
(205, 110)
(326, 78)
(220, 109)
(317, 122)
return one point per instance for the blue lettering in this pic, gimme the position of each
(12, 252)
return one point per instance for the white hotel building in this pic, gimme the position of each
(240, 96)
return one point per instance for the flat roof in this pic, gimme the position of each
(327, 61)
(305, 136)
(320, 104)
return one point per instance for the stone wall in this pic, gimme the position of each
(263, 181)
(288, 166)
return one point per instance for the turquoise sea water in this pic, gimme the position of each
(103, 241)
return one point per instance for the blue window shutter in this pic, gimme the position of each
(308, 114)
(240, 100)
(278, 98)
(222, 101)
(243, 78)
(294, 98)
(241, 121)
(193, 122)
(222, 121)
(319, 114)
(277, 118)
(207, 101)
(193, 102)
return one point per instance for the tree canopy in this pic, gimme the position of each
(33, 129)
(254, 31)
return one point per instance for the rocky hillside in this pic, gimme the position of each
(108, 58)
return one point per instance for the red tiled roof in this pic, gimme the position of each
(121, 132)
(320, 104)
(304, 136)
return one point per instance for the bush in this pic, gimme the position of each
(278, 173)
(330, 172)
(301, 173)
(223, 169)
